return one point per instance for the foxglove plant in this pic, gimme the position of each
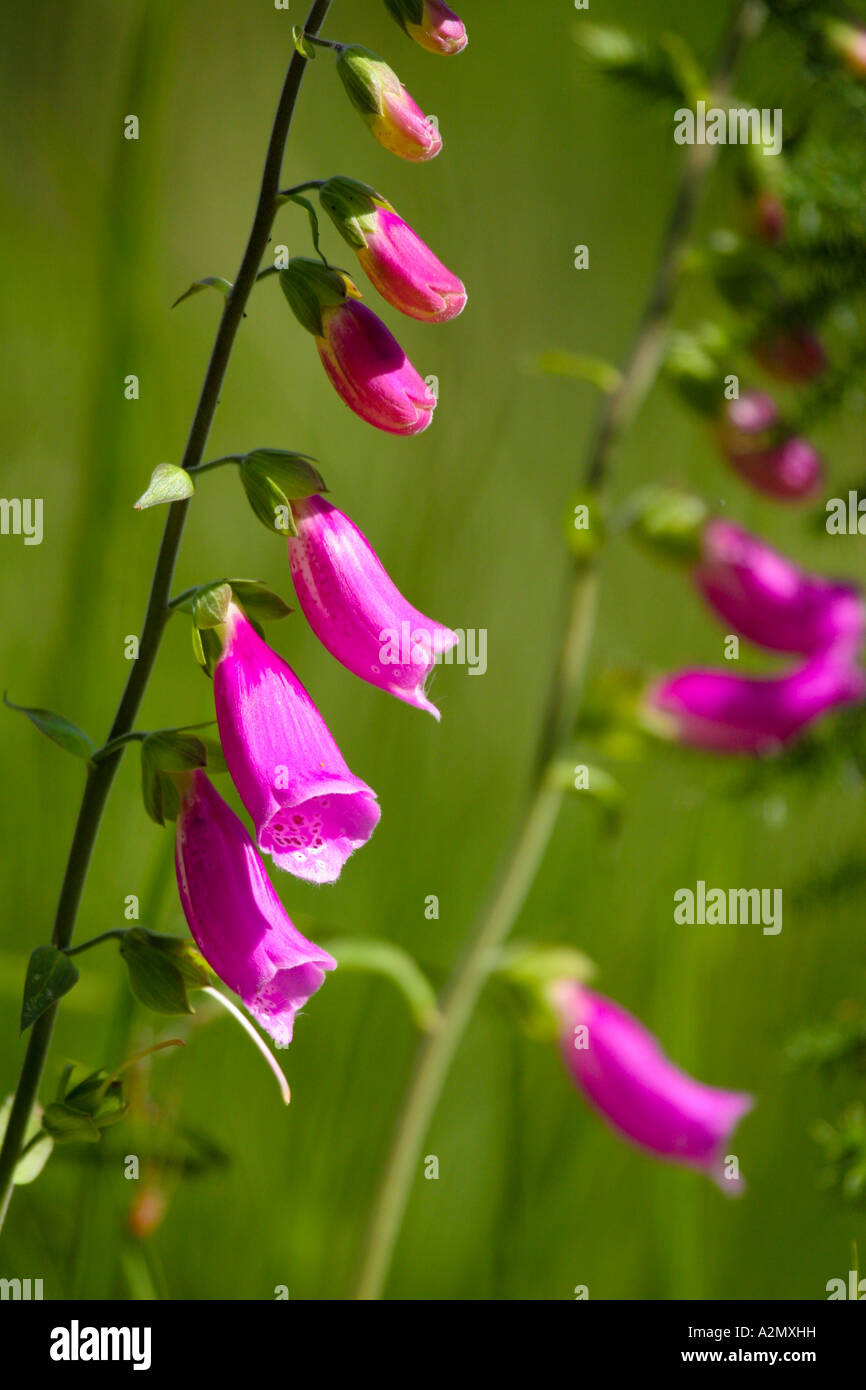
(309, 811)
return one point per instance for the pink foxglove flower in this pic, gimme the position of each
(238, 922)
(394, 118)
(310, 812)
(621, 1070)
(403, 269)
(772, 602)
(355, 609)
(752, 714)
(431, 24)
(366, 365)
(764, 453)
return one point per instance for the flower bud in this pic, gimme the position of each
(403, 269)
(760, 448)
(849, 43)
(356, 610)
(394, 118)
(794, 355)
(366, 365)
(431, 24)
(770, 601)
(621, 1070)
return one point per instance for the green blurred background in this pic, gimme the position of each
(98, 236)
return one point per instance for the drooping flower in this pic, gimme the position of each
(760, 448)
(403, 269)
(238, 922)
(356, 610)
(795, 355)
(728, 713)
(766, 598)
(366, 365)
(431, 24)
(377, 93)
(310, 812)
(622, 1071)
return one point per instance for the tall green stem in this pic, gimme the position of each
(101, 775)
(538, 818)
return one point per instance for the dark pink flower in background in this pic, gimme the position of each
(723, 712)
(403, 269)
(766, 598)
(309, 811)
(795, 355)
(622, 1071)
(238, 922)
(356, 610)
(431, 24)
(764, 453)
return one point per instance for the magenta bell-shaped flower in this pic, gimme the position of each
(764, 453)
(403, 269)
(431, 24)
(238, 922)
(752, 714)
(310, 812)
(355, 609)
(770, 601)
(621, 1070)
(370, 371)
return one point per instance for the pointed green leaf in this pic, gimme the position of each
(211, 604)
(50, 975)
(302, 43)
(210, 282)
(65, 1125)
(592, 369)
(56, 727)
(174, 751)
(258, 600)
(168, 483)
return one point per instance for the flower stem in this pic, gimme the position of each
(101, 775)
(113, 935)
(538, 818)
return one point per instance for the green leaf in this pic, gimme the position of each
(210, 605)
(50, 975)
(210, 282)
(594, 783)
(158, 791)
(258, 600)
(207, 647)
(269, 503)
(65, 1125)
(592, 369)
(160, 968)
(302, 43)
(168, 483)
(28, 1168)
(294, 474)
(379, 957)
(174, 751)
(59, 729)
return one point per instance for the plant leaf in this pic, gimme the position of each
(210, 282)
(50, 975)
(168, 483)
(60, 730)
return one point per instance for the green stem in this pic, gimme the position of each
(101, 775)
(225, 458)
(288, 193)
(113, 935)
(539, 816)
